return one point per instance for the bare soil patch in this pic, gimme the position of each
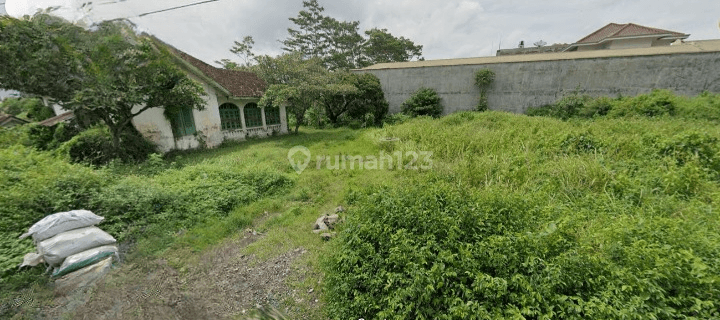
(222, 284)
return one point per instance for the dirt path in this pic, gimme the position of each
(223, 284)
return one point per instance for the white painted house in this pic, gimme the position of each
(231, 111)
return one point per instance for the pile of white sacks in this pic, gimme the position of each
(71, 244)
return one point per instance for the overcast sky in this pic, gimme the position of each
(446, 29)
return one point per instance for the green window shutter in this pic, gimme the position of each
(272, 115)
(253, 117)
(183, 124)
(230, 117)
(189, 122)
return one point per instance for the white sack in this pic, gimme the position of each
(31, 259)
(57, 248)
(59, 222)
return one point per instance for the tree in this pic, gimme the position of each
(293, 81)
(539, 43)
(109, 74)
(354, 96)
(310, 38)
(128, 75)
(339, 43)
(39, 56)
(244, 50)
(383, 47)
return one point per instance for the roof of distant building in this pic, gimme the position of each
(57, 119)
(627, 30)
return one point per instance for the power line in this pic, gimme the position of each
(174, 8)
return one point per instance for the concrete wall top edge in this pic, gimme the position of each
(697, 47)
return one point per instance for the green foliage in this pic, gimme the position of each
(383, 47)
(567, 107)
(103, 73)
(424, 102)
(397, 118)
(654, 104)
(340, 45)
(40, 56)
(307, 88)
(580, 143)
(49, 138)
(31, 108)
(657, 103)
(94, 146)
(693, 146)
(34, 185)
(355, 97)
(153, 205)
(40, 137)
(483, 80)
(535, 218)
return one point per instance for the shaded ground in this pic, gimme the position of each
(222, 283)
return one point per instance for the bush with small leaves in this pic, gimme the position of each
(424, 102)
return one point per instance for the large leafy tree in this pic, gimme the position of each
(108, 74)
(339, 43)
(382, 47)
(293, 81)
(40, 56)
(354, 96)
(127, 75)
(310, 37)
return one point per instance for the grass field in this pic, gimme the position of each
(518, 217)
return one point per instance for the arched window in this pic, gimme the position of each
(230, 117)
(253, 117)
(272, 115)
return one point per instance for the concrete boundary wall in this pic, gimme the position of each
(526, 83)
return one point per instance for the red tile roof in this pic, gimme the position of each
(237, 83)
(57, 119)
(614, 30)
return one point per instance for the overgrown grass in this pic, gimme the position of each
(535, 217)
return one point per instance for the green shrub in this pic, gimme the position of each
(483, 80)
(580, 143)
(396, 118)
(40, 137)
(16, 135)
(435, 250)
(32, 108)
(596, 107)
(92, 146)
(693, 146)
(34, 185)
(424, 102)
(657, 103)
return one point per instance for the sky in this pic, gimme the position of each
(446, 29)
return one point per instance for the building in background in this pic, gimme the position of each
(626, 36)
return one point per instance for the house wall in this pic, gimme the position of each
(153, 125)
(519, 85)
(631, 43)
